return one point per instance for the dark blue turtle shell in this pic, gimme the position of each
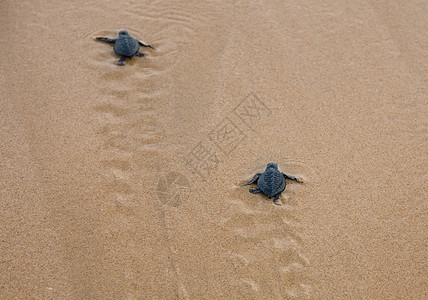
(271, 181)
(126, 45)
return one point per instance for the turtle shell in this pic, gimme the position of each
(271, 182)
(126, 45)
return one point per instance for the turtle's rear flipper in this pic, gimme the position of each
(121, 61)
(107, 40)
(275, 200)
(255, 191)
(144, 45)
(139, 54)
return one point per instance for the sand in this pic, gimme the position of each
(123, 182)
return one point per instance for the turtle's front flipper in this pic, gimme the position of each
(107, 40)
(144, 45)
(275, 200)
(121, 61)
(139, 54)
(255, 178)
(291, 177)
(255, 191)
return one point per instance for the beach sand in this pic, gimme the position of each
(123, 182)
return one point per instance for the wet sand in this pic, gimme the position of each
(123, 182)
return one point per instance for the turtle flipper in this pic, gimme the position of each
(291, 177)
(255, 191)
(139, 54)
(255, 178)
(144, 45)
(275, 200)
(107, 40)
(121, 61)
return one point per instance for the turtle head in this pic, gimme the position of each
(272, 165)
(123, 32)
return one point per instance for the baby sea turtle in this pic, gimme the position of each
(125, 45)
(271, 182)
